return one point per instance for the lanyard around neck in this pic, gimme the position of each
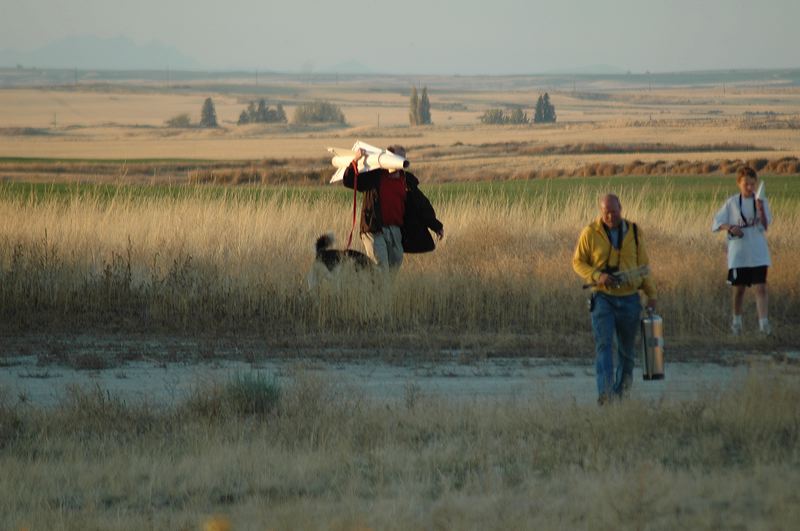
(741, 213)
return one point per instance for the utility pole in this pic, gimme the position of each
(55, 120)
(75, 78)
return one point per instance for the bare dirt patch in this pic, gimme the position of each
(163, 371)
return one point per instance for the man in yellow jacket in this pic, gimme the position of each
(611, 257)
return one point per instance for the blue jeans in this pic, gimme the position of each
(615, 317)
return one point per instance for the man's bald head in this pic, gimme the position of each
(610, 210)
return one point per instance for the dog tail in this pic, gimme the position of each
(323, 242)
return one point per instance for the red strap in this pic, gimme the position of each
(355, 201)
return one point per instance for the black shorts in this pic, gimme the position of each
(747, 276)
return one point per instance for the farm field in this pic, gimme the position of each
(165, 364)
(125, 120)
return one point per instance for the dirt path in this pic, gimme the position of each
(164, 370)
(169, 383)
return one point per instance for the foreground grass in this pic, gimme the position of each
(318, 455)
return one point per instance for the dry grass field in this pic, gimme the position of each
(125, 121)
(195, 261)
(313, 454)
(116, 226)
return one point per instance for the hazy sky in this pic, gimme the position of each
(429, 36)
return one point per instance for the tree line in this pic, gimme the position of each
(419, 108)
(545, 112)
(326, 112)
(261, 112)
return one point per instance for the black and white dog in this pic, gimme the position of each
(328, 261)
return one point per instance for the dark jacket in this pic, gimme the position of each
(419, 214)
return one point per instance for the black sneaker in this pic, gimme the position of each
(625, 388)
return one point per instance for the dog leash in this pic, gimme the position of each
(355, 203)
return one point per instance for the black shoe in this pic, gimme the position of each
(624, 388)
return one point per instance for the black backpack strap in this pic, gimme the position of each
(636, 241)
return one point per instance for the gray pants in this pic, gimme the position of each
(385, 248)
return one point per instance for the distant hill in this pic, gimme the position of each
(89, 52)
(602, 70)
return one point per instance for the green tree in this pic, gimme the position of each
(549, 109)
(499, 117)
(281, 114)
(424, 113)
(413, 115)
(493, 116)
(318, 112)
(517, 116)
(545, 111)
(538, 114)
(262, 112)
(208, 116)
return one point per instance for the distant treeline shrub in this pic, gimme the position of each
(181, 121)
(262, 113)
(499, 117)
(318, 112)
(544, 112)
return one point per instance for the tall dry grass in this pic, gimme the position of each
(194, 264)
(318, 455)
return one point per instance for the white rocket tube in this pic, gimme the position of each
(374, 158)
(384, 159)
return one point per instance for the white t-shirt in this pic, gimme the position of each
(751, 249)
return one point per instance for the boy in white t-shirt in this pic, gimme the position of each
(746, 218)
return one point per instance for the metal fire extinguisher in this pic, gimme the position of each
(653, 346)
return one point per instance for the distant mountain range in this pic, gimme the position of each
(89, 52)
